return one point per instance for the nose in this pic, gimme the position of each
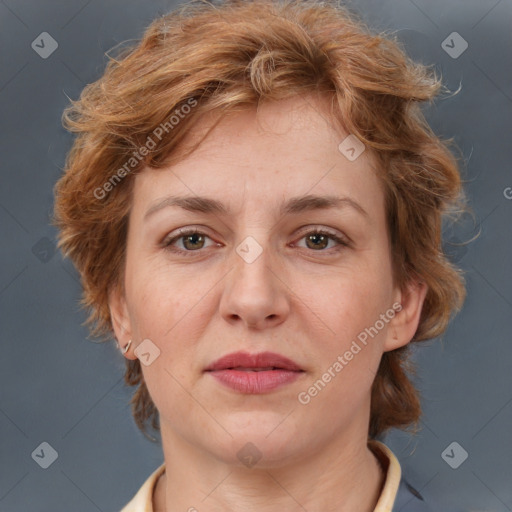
(254, 294)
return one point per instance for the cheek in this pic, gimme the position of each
(351, 300)
(346, 360)
(162, 298)
(349, 307)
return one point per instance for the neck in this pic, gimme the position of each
(344, 477)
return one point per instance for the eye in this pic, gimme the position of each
(318, 240)
(192, 241)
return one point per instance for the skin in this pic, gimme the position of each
(306, 301)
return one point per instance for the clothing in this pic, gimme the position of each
(397, 495)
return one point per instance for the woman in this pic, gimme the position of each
(254, 202)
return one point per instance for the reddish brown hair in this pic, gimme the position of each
(226, 56)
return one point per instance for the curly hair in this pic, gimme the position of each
(225, 56)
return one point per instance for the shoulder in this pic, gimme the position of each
(398, 495)
(409, 499)
(143, 500)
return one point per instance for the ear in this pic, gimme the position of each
(408, 307)
(120, 318)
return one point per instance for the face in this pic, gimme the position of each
(267, 272)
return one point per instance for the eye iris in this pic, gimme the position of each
(193, 236)
(318, 236)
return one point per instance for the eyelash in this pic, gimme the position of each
(183, 233)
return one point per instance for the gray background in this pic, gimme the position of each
(59, 387)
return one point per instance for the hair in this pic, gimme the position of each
(226, 56)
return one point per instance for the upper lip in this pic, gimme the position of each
(253, 361)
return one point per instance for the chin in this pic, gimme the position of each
(261, 441)
(256, 453)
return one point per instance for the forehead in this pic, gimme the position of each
(264, 155)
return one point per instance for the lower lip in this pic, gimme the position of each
(255, 382)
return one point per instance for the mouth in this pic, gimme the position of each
(254, 374)
(264, 361)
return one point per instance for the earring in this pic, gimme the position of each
(125, 349)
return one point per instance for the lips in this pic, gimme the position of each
(264, 361)
(265, 372)
(255, 374)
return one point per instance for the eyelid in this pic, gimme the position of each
(326, 231)
(181, 233)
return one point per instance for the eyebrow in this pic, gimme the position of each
(293, 206)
